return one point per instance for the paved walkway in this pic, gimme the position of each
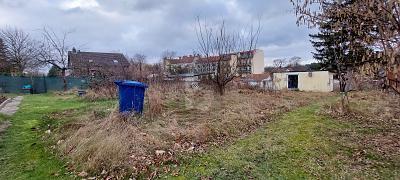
(11, 107)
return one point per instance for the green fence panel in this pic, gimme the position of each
(14, 84)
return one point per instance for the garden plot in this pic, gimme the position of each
(103, 142)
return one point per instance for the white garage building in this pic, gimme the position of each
(317, 81)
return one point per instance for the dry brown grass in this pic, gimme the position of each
(72, 91)
(374, 106)
(104, 93)
(2, 98)
(175, 121)
(107, 144)
(156, 96)
(375, 126)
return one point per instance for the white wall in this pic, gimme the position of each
(319, 81)
(257, 65)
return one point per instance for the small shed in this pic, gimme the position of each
(317, 81)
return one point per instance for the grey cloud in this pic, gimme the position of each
(148, 5)
(12, 3)
(151, 26)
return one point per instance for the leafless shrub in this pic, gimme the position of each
(155, 101)
(138, 67)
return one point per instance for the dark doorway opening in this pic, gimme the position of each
(293, 81)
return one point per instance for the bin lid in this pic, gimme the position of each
(27, 86)
(130, 83)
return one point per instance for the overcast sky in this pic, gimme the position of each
(152, 26)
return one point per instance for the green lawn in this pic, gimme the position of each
(299, 145)
(23, 153)
(3, 117)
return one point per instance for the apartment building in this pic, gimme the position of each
(247, 62)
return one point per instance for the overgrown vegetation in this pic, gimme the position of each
(107, 92)
(194, 134)
(175, 121)
(310, 142)
(374, 131)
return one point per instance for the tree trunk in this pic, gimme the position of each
(221, 89)
(140, 71)
(64, 79)
(343, 92)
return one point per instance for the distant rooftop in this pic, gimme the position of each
(198, 58)
(99, 58)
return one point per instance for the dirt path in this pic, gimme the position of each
(10, 108)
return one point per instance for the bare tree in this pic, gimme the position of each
(221, 45)
(54, 51)
(372, 23)
(138, 63)
(167, 54)
(5, 65)
(294, 61)
(20, 49)
(279, 63)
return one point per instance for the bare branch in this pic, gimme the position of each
(20, 49)
(220, 47)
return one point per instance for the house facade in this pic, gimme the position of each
(317, 81)
(247, 62)
(95, 64)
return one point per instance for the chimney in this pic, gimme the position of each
(74, 50)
